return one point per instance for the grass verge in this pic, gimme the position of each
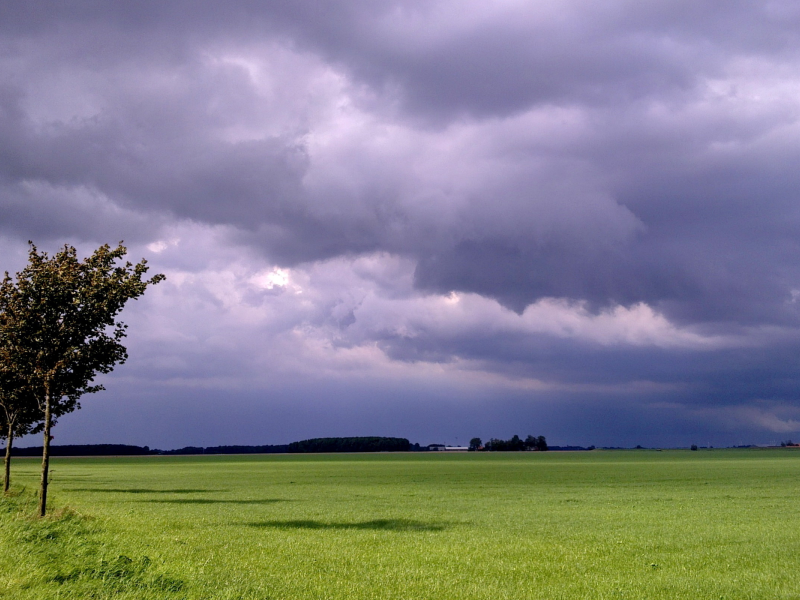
(61, 556)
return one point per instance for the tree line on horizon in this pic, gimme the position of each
(312, 445)
(321, 445)
(515, 444)
(329, 444)
(58, 331)
(131, 450)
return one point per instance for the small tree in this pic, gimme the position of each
(19, 411)
(19, 415)
(475, 444)
(60, 318)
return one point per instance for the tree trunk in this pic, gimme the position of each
(45, 451)
(9, 443)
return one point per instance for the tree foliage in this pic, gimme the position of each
(536, 443)
(60, 327)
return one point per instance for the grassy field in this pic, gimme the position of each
(628, 524)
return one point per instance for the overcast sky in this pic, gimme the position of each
(430, 219)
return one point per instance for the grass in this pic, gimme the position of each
(630, 524)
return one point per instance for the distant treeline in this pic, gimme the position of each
(515, 444)
(352, 444)
(347, 444)
(87, 450)
(267, 449)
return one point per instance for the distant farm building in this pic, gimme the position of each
(443, 448)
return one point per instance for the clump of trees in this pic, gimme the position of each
(515, 444)
(58, 331)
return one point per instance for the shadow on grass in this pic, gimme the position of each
(212, 501)
(374, 525)
(140, 491)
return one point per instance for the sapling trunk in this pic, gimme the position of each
(7, 464)
(45, 453)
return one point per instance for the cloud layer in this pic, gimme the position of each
(558, 210)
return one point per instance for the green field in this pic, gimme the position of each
(627, 524)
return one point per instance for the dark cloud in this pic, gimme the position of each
(616, 154)
(455, 57)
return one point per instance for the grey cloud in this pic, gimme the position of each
(158, 148)
(155, 159)
(614, 153)
(449, 56)
(495, 60)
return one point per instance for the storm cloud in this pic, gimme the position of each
(576, 215)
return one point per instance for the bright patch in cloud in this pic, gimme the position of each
(276, 278)
(160, 245)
